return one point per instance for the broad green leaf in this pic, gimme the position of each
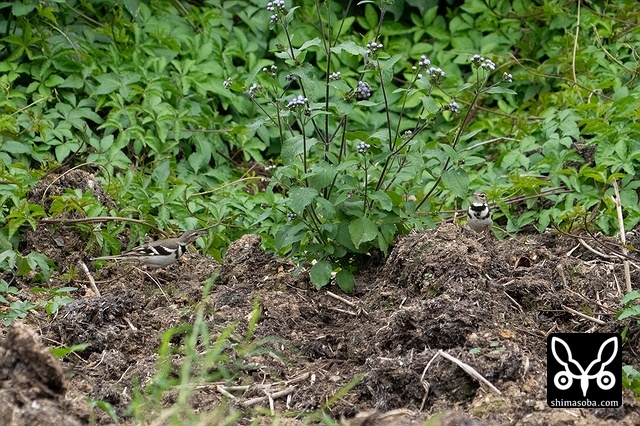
(500, 89)
(300, 197)
(629, 312)
(322, 175)
(345, 280)
(21, 8)
(162, 171)
(320, 274)
(362, 230)
(387, 68)
(15, 147)
(456, 181)
(430, 106)
(632, 295)
(349, 47)
(61, 352)
(383, 199)
(294, 146)
(290, 234)
(53, 81)
(315, 42)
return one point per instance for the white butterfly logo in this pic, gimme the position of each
(564, 379)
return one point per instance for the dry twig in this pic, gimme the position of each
(594, 251)
(623, 239)
(275, 395)
(466, 367)
(342, 299)
(585, 316)
(91, 280)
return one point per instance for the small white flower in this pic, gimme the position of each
(488, 65)
(477, 60)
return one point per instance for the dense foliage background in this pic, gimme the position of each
(326, 127)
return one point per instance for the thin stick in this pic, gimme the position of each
(470, 370)
(300, 378)
(222, 390)
(237, 388)
(98, 219)
(91, 280)
(615, 278)
(623, 238)
(570, 252)
(424, 383)
(514, 302)
(342, 299)
(597, 303)
(561, 273)
(272, 404)
(594, 251)
(585, 316)
(261, 399)
(133, 327)
(343, 311)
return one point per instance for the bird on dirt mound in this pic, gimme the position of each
(161, 253)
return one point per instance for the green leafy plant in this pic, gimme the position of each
(104, 406)
(631, 379)
(22, 265)
(66, 350)
(17, 310)
(20, 309)
(59, 297)
(630, 307)
(5, 288)
(360, 154)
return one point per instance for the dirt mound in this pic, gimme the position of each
(34, 383)
(442, 294)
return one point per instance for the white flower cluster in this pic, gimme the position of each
(254, 90)
(275, 4)
(422, 63)
(476, 60)
(271, 73)
(373, 47)
(297, 101)
(488, 65)
(480, 62)
(362, 147)
(436, 75)
(363, 91)
(278, 7)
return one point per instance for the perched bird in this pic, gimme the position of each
(161, 253)
(478, 214)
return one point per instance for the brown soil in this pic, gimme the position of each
(489, 304)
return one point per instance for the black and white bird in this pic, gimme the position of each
(161, 253)
(478, 214)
